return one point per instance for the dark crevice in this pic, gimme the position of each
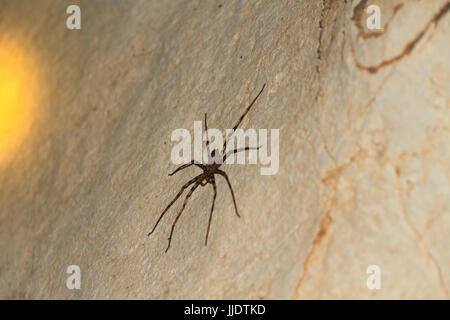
(321, 27)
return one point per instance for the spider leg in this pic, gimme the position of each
(212, 209)
(222, 173)
(207, 138)
(241, 118)
(238, 150)
(172, 202)
(206, 131)
(181, 211)
(184, 166)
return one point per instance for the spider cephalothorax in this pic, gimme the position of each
(208, 176)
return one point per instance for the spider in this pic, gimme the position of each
(208, 175)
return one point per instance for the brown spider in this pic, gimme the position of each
(209, 170)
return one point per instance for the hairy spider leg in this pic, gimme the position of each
(207, 139)
(241, 118)
(206, 132)
(173, 201)
(222, 173)
(181, 211)
(184, 166)
(238, 150)
(208, 150)
(212, 209)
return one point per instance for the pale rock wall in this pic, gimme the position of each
(364, 175)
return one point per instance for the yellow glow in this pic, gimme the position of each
(17, 88)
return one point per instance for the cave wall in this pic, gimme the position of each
(363, 179)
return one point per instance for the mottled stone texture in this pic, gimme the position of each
(364, 177)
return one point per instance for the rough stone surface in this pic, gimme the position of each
(364, 176)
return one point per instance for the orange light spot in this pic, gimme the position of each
(17, 88)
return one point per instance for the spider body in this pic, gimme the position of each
(210, 170)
